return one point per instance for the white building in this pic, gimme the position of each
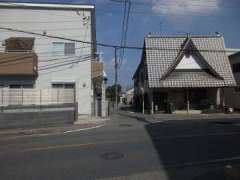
(61, 63)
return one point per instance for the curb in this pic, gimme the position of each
(13, 134)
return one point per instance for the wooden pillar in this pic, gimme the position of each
(188, 103)
(222, 96)
(150, 99)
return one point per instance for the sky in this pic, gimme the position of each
(158, 17)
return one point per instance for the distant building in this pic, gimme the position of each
(233, 94)
(61, 63)
(129, 96)
(190, 72)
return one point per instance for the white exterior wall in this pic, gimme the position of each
(66, 23)
(189, 62)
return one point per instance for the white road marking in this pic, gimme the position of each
(85, 129)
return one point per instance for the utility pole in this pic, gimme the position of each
(116, 78)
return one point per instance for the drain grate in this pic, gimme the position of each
(112, 156)
(125, 125)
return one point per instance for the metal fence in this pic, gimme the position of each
(35, 96)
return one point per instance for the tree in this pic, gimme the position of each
(110, 92)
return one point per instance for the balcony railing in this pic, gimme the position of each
(18, 63)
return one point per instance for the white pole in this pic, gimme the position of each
(143, 101)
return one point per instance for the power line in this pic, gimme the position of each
(109, 45)
(77, 61)
(55, 59)
(55, 37)
(23, 58)
(31, 52)
(63, 69)
(123, 27)
(20, 60)
(126, 14)
(64, 61)
(125, 34)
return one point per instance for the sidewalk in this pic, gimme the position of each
(90, 120)
(79, 125)
(212, 116)
(155, 118)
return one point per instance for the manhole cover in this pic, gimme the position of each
(125, 125)
(112, 156)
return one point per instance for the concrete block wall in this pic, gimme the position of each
(35, 117)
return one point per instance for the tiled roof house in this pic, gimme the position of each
(181, 69)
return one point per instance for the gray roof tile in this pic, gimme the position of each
(161, 53)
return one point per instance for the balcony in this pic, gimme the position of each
(18, 63)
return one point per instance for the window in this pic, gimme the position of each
(63, 49)
(15, 86)
(57, 85)
(69, 86)
(63, 85)
(19, 44)
(58, 48)
(69, 49)
(27, 86)
(18, 86)
(236, 67)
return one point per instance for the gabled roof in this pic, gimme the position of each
(188, 45)
(163, 54)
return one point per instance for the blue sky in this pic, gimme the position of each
(160, 17)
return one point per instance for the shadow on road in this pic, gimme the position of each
(137, 117)
(190, 149)
(126, 108)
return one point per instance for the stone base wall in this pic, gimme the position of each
(35, 116)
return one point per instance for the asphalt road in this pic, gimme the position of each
(128, 147)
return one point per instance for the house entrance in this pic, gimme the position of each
(197, 98)
(160, 100)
